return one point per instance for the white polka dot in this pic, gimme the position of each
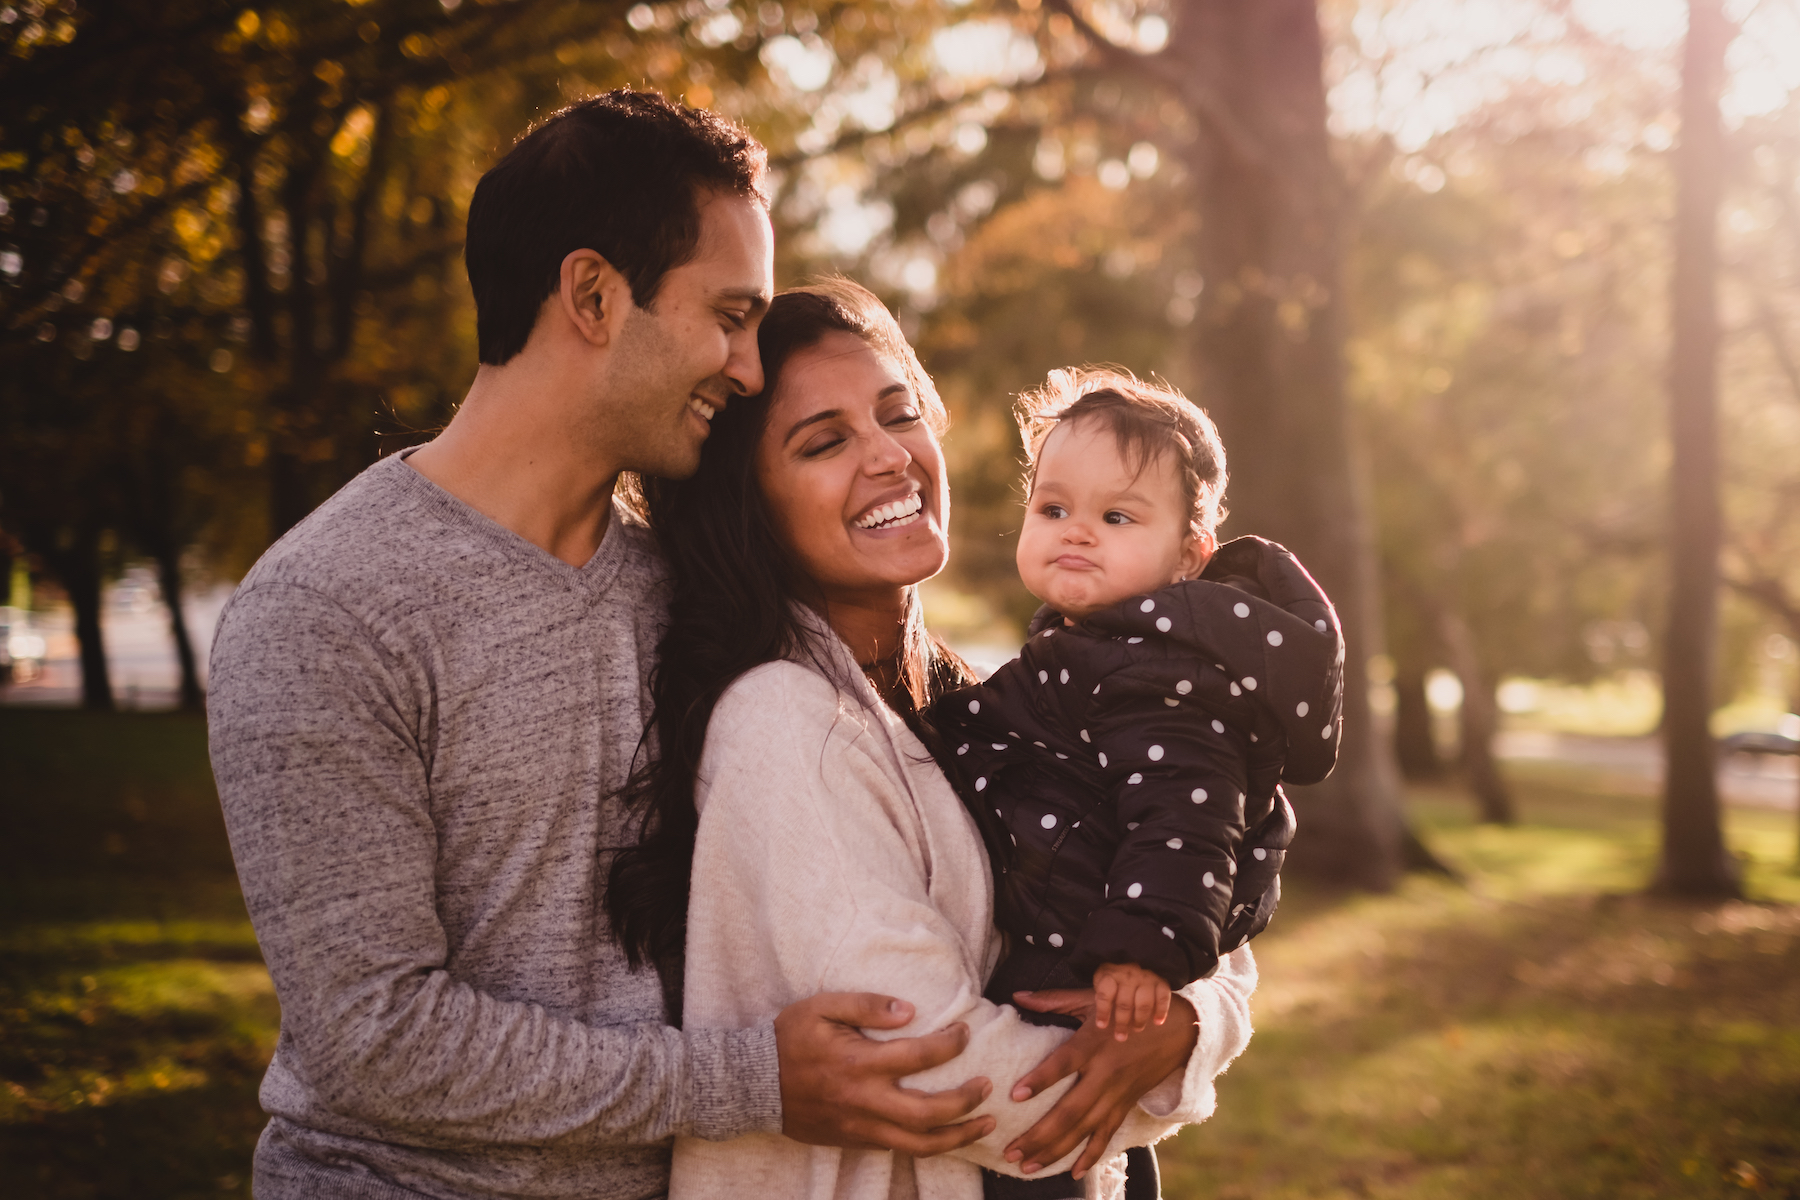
(1274, 637)
(1135, 778)
(1147, 606)
(1167, 932)
(1218, 727)
(1236, 690)
(1048, 632)
(1133, 641)
(1259, 854)
(1103, 758)
(1319, 625)
(999, 745)
(1174, 843)
(981, 784)
(1096, 690)
(1250, 682)
(974, 706)
(1163, 624)
(1049, 822)
(1131, 824)
(1171, 701)
(1302, 708)
(1065, 675)
(1231, 865)
(999, 814)
(1207, 880)
(1062, 756)
(1085, 737)
(1040, 745)
(1156, 753)
(1184, 687)
(1198, 795)
(1056, 939)
(1043, 677)
(1325, 732)
(1012, 733)
(963, 749)
(1029, 941)
(1241, 609)
(1237, 910)
(1254, 738)
(1134, 891)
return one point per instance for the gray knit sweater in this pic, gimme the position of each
(418, 720)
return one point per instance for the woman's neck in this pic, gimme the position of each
(870, 624)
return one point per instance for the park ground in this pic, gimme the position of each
(1537, 1030)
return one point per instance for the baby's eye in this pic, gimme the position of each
(1115, 517)
(1055, 512)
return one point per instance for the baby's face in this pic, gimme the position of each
(1097, 532)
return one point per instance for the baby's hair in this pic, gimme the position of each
(1149, 419)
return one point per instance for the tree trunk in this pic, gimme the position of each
(1694, 858)
(78, 569)
(1269, 350)
(1414, 746)
(168, 576)
(1478, 722)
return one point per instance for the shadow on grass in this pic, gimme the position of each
(135, 1013)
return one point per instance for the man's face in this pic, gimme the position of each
(680, 360)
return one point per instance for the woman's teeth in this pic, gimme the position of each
(897, 513)
(705, 410)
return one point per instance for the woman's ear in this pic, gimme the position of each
(1196, 552)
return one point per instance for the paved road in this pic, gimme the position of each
(1636, 765)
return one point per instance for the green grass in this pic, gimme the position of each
(1543, 1031)
(1539, 1031)
(135, 1014)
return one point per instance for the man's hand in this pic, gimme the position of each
(840, 1088)
(1114, 1075)
(1127, 998)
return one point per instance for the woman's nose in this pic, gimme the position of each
(885, 456)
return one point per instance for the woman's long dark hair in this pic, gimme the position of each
(733, 586)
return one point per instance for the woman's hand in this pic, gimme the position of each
(1114, 1076)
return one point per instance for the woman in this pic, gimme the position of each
(827, 850)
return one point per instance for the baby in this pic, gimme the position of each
(1126, 767)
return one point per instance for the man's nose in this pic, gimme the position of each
(744, 368)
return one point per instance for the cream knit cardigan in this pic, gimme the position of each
(833, 856)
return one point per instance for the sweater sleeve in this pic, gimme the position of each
(1176, 775)
(323, 777)
(813, 872)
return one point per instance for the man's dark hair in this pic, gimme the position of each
(618, 173)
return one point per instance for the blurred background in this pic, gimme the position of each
(1496, 302)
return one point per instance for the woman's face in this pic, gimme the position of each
(852, 474)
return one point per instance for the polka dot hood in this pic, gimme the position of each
(1126, 771)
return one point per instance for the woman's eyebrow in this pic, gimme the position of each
(803, 422)
(829, 413)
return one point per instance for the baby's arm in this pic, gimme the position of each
(1130, 998)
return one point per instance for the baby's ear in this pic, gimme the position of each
(1196, 552)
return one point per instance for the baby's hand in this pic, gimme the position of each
(1129, 998)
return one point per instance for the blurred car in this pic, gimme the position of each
(21, 648)
(1758, 742)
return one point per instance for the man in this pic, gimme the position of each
(425, 696)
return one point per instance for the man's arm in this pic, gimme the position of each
(323, 782)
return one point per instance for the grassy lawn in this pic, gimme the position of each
(1539, 1032)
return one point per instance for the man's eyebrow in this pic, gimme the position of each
(756, 298)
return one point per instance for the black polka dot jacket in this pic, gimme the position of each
(1126, 771)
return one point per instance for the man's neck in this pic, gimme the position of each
(510, 454)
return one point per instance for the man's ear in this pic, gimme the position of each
(593, 296)
(1196, 552)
